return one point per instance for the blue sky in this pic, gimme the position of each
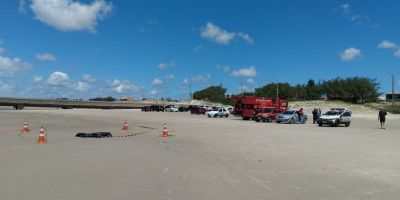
(91, 48)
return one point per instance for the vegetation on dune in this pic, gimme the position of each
(214, 94)
(109, 98)
(354, 90)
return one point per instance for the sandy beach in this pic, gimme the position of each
(206, 158)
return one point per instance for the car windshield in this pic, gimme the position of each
(332, 113)
(290, 112)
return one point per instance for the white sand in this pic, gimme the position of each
(206, 158)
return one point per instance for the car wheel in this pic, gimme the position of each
(209, 115)
(319, 124)
(292, 121)
(226, 115)
(215, 115)
(347, 124)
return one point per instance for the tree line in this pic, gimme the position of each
(354, 89)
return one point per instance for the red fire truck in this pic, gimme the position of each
(247, 105)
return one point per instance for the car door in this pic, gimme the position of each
(296, 116)
(346, 117)
(220, 112)
(224, 112)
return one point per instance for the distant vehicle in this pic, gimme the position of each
(183, 109)
(190, 107)
(198, 110)
(171, 108)
(146, 109)
(221, 112)
(207, 107)
(335, 117)
(156, 108)
(290, 116)
(267, 114)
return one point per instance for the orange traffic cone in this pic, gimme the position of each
(165, 131)
(125, 127)
(41, 139)
(25, 128)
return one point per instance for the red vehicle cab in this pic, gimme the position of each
(198, 110)
(246, 105)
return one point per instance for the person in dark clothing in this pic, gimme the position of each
(382, 118)
(315, 115)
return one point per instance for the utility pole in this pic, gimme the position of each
(241, 88)
(190, 93)
(277, 91)
(392, 89)
(156, 97)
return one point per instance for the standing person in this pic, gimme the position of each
(301, 117)
(319, 113)
(315, 115)
(382, 118)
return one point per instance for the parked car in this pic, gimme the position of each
(171, 108)
(219, 112)
(290, 116)
(157, 108)
(207, 107)
(191, 107)
(335, 117)
(198, 110)
(146, 108)
(183, 109)
(267, 114)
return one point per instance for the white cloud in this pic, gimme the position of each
(353, 17)
(123, 86)
(246, 38)
(58, 79)
(163, 66)
(2, 50)
(70, 15)
(201, 78)
(186, 81)
(88, 78)
(46, 57)
(387, 45)
(226, 68)
(397, 53)
(345, 8)
(245, 88)
(37, 79)
(245, 72)
(350, 54)
(149, 26)
(6, 87)
(81, 86)
(157, 82)
(22, 6)
(10, 66)
(216, 34)
(153, 92)
(197, 79)
(169, 77)
(250, 80)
